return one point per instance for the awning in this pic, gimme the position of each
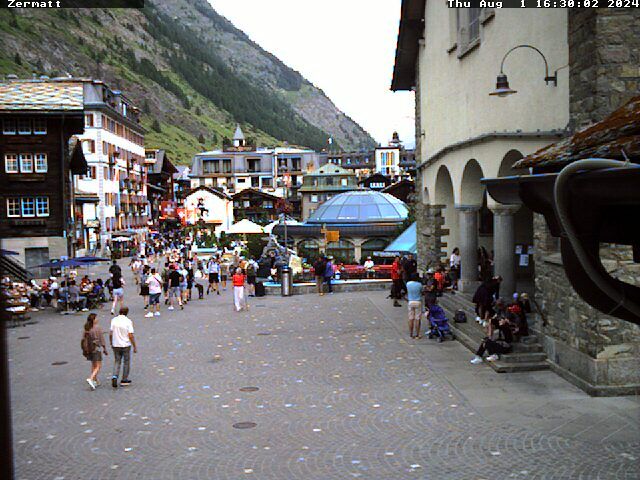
(405, 243)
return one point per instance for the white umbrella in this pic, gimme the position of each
(245, 227)
(121, 239)
(269, 228)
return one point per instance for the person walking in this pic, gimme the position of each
(154, 285)
(414, 296)
(213, 267)
(174, 288)
(92, 343)
(328, 274)
(252, 268)
(396, 281)
(144, 287)
(318, 269)
(239, 298)
(122, 339)
(118, 291)
(224, 273)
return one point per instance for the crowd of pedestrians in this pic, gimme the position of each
(172, 270)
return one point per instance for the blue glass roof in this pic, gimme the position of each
(406, 241)
(360, 206)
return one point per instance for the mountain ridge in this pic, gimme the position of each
(190, 71)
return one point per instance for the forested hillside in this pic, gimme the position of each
(192, 73)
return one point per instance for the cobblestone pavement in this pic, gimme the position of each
(342, 393)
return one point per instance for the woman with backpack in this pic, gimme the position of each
(92, 342)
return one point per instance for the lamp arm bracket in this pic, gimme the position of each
(547, 78)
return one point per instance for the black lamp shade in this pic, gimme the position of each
(502, 87)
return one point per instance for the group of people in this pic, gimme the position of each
(505, 323)
(121, 340)
(324, 269)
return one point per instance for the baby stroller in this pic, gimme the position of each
(438, 323)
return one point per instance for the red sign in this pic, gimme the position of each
(168, 209)
(182, 215)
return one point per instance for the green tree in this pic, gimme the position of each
(146, 109)
(201, 139)
(198, 111)
(156, 125)
(17, 59)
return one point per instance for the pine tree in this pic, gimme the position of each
(156, 125)
(201, 139)
(146, 109)
(17, 59)
(198, 111)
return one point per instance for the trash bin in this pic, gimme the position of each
(286, 281)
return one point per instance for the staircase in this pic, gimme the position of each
(527, 354)
(14, 269)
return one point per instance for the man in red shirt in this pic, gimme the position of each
(396, 278)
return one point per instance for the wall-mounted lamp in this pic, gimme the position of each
(502, 83)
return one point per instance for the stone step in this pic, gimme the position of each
(527, 355)
(503, 367)
(523, 357)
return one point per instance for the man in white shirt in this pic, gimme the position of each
(368, 268)
(121, 337)
(154, 281)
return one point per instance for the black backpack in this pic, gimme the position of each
(88, 347)
(460, 317)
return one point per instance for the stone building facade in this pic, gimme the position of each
(597, 352)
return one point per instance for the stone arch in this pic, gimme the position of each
(511, 157)
(445, 198)
(471, 190)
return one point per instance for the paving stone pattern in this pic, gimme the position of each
(342, 393)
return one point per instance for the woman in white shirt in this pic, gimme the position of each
(454, 263)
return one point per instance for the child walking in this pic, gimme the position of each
(92, 342)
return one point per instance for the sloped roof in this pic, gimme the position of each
(411, 29)
(609, 138)
(238, 135)
(39, 95)
(406, 242)
(210, 190)
(247, 191)
(360, 207)
(330, 169)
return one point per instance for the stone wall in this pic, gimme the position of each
(597, 352)
(604, 58)
(429, 234)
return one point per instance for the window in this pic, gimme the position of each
(40, 126)
(241, 180)
(13, 207)
(329, 181)
(26, 163)
(24, 126)
(267, 182)
(468, 26)
(41, 163)
(295, 164)
(9, 126)
(89, 146)
(343, 182)
(88, 120)
(314, 198)
(11, 163)
(226, 165)
(246, 203)
(28, 207)
(42, 206)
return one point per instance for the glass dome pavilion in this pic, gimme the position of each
(367, 221)
(360, 207)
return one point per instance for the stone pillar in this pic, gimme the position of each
(468, 240)
(504, 247)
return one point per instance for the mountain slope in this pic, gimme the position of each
(192, 73)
